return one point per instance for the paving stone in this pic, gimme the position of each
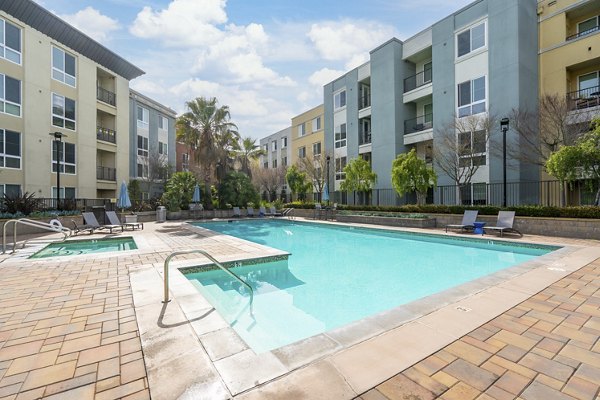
(461, 391)
(537, 391)
(468, 352)
(582, 389)
(512, 353)
(400, 387)
(548, 367)
(466, 372)
(512, 382)
(48, 375)
(425, 381)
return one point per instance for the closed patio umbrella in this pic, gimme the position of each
(196, 196)
(325, 196)
(123, 201)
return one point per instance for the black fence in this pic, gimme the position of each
(422, 78)
(49, 204)
(106, 96)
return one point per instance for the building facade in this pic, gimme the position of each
(56, 79)
(277, 155)
(478, 63)
(152, 143)
(307, 134)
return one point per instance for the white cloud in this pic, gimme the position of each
(94, 24)
(323, 76)
(349, 40)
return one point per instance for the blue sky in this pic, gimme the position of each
(266, 60)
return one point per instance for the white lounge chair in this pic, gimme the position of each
(318, 210)
(249, 212)
(505, 222)
(469, 217)
(90, 220)
(273, 212)
(114, 220)
(236, 212)
(262, 211)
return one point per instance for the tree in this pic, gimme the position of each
(268, 180)
(236, 189)
(411, 174)
(156, 170)
(179, 191)
(578, 161)
(248, 152)
(359, 177)
(315, 168)
(207, 129)
(297, 183)
(460, 148)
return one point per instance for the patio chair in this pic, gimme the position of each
(318, 209)
(505, 223)
(114, 220)
(236, 212)
(273, 212)
(262, 211)
(90, 220)
(330, 212)
(249, 212)
(81, 228)
(468, 218)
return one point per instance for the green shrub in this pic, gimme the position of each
(25, 203)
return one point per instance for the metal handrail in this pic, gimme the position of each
(211, 258)
(25, 221)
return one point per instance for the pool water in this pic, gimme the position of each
(76, 247)
(337, 274)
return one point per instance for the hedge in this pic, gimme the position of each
(523, 211)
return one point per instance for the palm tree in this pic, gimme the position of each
(207, 129)
(248, 151)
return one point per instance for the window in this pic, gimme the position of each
(10, 95)
(316, 149)
(301, 130)
(67, 157)
(427, 68)
(63, 112)
(10, 41)
(266, 165)
(163, 123)
(9, 190)
(472, 148)
(470, 40)
(63, 66)
(65, 192)
(340, 136)
(302, 152)
(339, 100)
(587, 26)
(471, 97)
(589, 81)
(274, 145)
(142, 170)
(142, 117)
(340, 164)
(284, 142)
(162, 148)
(185, 162)
(10, 149)
(316, 124)
(284, 161)
(142, 146)
(428, 114)
(275, 163)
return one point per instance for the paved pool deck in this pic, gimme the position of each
(94, 326)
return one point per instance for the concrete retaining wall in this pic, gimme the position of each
(388, 221)
(28, 230)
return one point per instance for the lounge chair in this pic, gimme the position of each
(273, 212)
(469, 217)
(114, 220)
(249, 212)
(262, 212)
(318, 210)
(330, 212)
(82, 228)
(236, 212)
(90, 220)
(505, 222)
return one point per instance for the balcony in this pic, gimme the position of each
(106, 96)
(107, 135)
(583, 33)
(418, 80)
(584, 98)
(418, 124)
(364, 138)
(106, 174)
(364, 101)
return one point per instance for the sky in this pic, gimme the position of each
(266, 59)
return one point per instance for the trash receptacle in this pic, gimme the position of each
(161, 214)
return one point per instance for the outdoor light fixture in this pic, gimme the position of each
(57, 144)
(504, 127)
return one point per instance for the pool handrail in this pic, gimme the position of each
(30, 222)
(211, 258)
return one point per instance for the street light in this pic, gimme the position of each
(57, 144)
(504, 128)
(328, 187)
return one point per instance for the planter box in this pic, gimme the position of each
(131, 219)
(388, 221)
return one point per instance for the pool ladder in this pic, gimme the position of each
(211, 258)
(30, 222)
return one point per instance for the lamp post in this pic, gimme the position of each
(57, 144)
(504, 128)
(328, 187)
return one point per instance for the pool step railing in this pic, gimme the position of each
(52, 226)
(211, 258)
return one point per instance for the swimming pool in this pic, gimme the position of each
(339, 274)
(88, 246)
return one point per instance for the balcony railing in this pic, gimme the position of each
(364, 138)
(418, 124)
(364, 101)
(584, 33)
(106, 96)
(584, 98)
(106, 174)
(107, 135)
(422, 78)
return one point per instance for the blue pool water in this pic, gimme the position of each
(337, 274)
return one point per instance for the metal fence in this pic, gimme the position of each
(49, 204)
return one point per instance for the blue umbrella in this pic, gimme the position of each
(123, 200)
(196, 196)
(325, 196)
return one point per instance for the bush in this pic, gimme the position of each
(25, 203)
(179, 191)
(237, 189)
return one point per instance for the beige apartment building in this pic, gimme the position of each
(307, 134)
(53, 78)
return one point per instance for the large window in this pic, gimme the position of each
(274, 163)
(142, 146)
(472, 148)
(470, 40)
(274, 145)
(316, 124)
(63, 66)
(63, 112)
(301, 130)
(185, 162)
(587, 26)
(10, 41)
(284, 142)
(340, 164)
(471, 97)
(589, 81)
(340, 136)
(142, 117)
(10, 149)
(284, 161)
(302, 152)
(339, 100)
(163, 122)
(10, 95)
(67, 157)
(65, 192)
(316, 148)
(162, 148)
(9, 190)
(142, 170)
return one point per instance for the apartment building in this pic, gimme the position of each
(277, 154)
(480, 61)
(54, 79)
(152, 143)
(307, 134)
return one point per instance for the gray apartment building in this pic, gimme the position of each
(151, 142)
(478, 63)
(278, 152)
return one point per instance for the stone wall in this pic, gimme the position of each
(388, 221)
